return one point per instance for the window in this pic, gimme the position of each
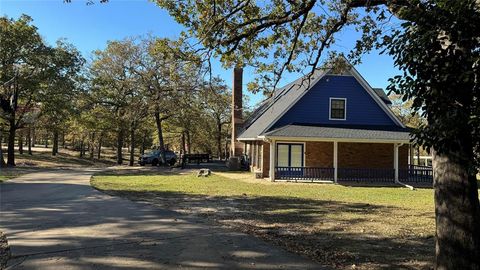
(290, 155)
(338, 108)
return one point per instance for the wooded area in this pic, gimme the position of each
(137, 93)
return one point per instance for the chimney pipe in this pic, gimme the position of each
(237, 110)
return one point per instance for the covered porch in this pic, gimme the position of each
(343, 156)
(412, 175)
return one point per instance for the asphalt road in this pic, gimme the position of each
(55, 220)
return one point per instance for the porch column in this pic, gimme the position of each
(273, 154)
(395, 160)
(410, 149)
(335, 161)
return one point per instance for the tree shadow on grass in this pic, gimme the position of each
(334, 233)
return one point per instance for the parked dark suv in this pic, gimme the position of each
(155, 158)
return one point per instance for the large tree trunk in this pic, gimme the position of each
(132, 146)
(184, 150)
(11, 143)
(158, 121)
(99, 153)
(55, 143)
(73, 143)
(219, 140)
(92, 146)
(2, 161)
(457, 211)
(144, 142)
(34, 136)
(227, 152)
(189, 143)
(82, 147)
(120, 146)
(29, 140)
(20, 143)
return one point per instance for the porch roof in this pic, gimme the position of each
(347, 133)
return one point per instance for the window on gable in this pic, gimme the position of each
(338, 108)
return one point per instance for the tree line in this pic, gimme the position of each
(137, 92)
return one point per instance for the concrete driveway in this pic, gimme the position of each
(55, 220)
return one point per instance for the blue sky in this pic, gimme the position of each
(89, 27)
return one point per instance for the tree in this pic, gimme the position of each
(23, 62)
(92, 120)
(410, 117)
(440, 65)
(217, 106)
(405, 111)
(136, 113)
(157, 63)
(188, 119)
(436, 47)
(115, 83)
(57, 102)
(168, 70)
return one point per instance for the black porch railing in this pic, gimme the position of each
(416, 174)
(412, 174)
(304, 173)
(366, 175)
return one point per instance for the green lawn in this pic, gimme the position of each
(217, 185)
(371, 227)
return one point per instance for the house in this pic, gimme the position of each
(333, 127)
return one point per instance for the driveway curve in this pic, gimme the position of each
(56, 220)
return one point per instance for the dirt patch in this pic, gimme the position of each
(4, 250)
(337, 234)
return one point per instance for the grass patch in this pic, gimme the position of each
(221, 186)
(43, 159)
(64, 158)
(6, 174)
(369, 227)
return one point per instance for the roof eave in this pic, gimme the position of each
(249, 139)
(321, 139)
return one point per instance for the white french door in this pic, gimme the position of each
(290, 155)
